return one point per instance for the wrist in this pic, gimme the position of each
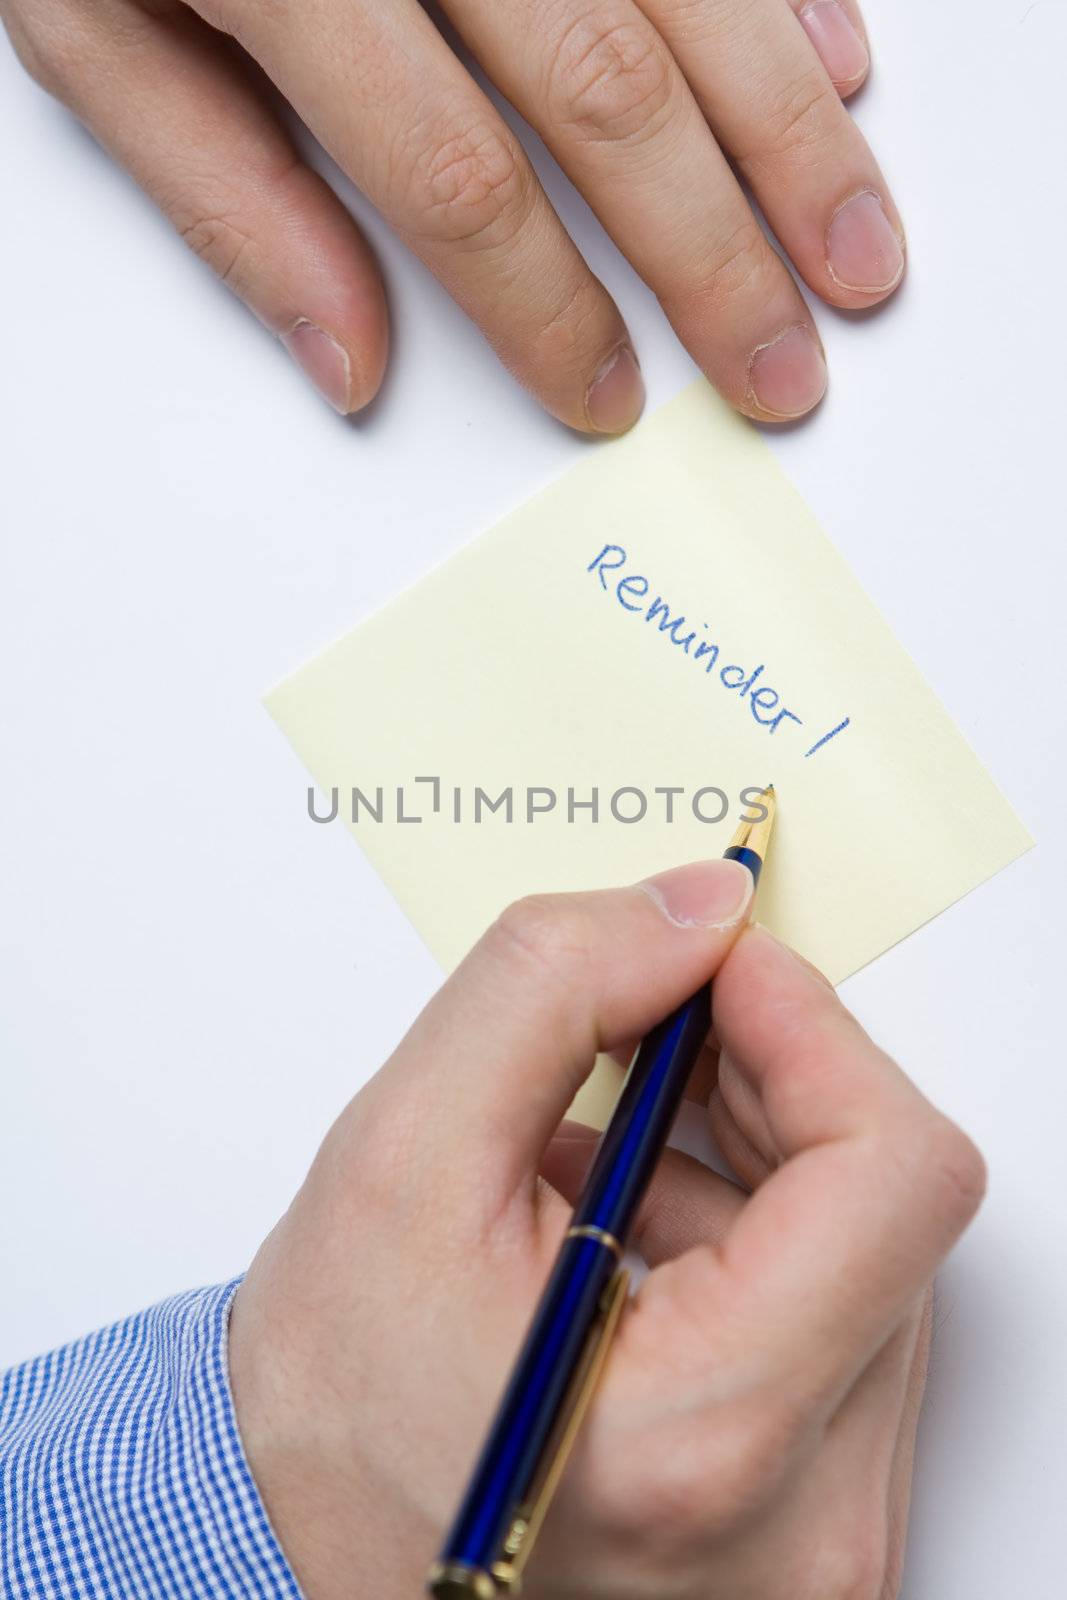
(347, 1527)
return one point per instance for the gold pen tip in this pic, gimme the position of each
(754, 833)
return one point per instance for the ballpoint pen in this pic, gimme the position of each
(555, 1374)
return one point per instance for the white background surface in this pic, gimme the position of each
(194, 978)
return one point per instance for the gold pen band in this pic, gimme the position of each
(454, 1578)
(589, 1230)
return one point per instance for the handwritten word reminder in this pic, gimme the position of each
(632, 592)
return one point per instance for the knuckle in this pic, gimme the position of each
(741, 263)
(46, 49)
(796, 118)
(611, 79)
(698, 1482)
(853, 1566)
(751, 1457)
(675, 1503)
(218, 241)
(572, 330)
(541, 931)
(471, 186)
(666, 1500)
(740, 269)
(955, 1170)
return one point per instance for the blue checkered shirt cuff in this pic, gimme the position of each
(122, 1472)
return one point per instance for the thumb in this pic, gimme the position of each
(509, 1039)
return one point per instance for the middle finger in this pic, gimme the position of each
(606, 94)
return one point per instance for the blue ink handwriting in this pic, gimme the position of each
(633, 592)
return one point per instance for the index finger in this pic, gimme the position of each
(874, 1188)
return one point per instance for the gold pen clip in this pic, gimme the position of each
(526, 1524)
(457, 1581)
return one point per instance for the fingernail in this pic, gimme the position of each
(707, 894)
(842, 51)
(787, 375)
(616, 396)
(324, 361)
(863, 251)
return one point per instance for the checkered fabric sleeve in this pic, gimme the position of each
(122, 1475)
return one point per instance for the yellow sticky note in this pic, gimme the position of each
(661, 629)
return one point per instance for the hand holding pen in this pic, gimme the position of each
(753, 1430)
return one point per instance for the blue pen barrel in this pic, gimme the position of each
(641, 1123)
(625, 1160)
(539, 1383)
(642, 1119)
(497, 1501)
